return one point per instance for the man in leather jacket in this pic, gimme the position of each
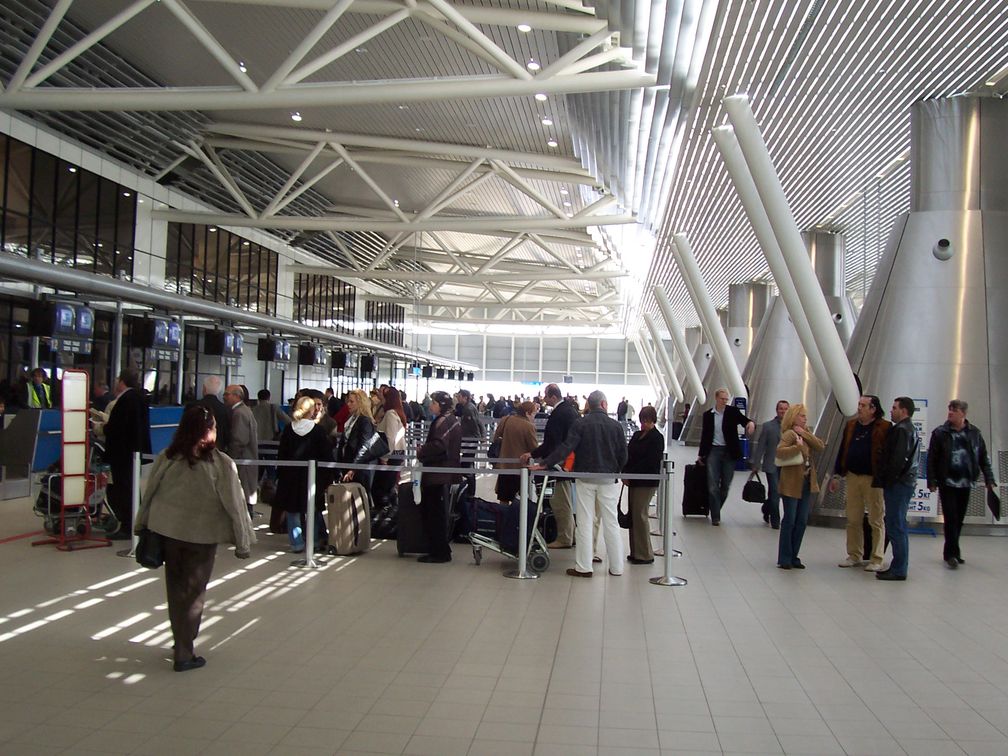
(896, 475)
(957, 454)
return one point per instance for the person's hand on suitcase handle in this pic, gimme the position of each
(348, 476)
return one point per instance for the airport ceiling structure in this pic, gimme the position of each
(520, 164)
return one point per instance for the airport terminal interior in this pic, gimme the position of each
(801, 201)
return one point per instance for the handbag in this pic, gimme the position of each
(150, 549)
(623, 518)
(754, 490)
(378, 446)
(794, 459)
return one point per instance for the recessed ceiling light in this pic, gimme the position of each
(72, 169)
(360, 50)
(551, 143)
(296, 116)
(245, 244)
(417, 129)
(567, 204)
(547, 121)
(403, 107)
(564, 191)
(541, 97)
(213, 229)
(126, 194)
(241, 66)
(395, 202)
(532, 65)
(524, 28)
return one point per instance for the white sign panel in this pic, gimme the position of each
(923, 503)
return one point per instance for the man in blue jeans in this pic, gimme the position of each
(720, 448)
(897, 476)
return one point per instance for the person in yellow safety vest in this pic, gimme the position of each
(39, 395)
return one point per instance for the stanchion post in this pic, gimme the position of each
(522, 572)
(668, 578)
(134, 507)
(309, 525)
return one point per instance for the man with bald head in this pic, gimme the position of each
(244, 442)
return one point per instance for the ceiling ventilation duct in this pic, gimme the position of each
(747, 304)
(930, 327)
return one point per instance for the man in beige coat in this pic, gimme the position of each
(244, 442)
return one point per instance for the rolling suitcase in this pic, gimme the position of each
(694, 497)
(348, 517)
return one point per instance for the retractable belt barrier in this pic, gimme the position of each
(409, 464)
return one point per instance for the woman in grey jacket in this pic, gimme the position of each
(194, 499)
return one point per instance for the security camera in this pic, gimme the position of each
(942, 250)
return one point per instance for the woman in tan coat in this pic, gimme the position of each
(798, 481)
(518, 436)
(194, 499)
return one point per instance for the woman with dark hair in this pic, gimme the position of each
(644, 456)
(194, 499)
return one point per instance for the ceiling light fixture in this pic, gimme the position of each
(541, 97)
(126, 194)
(296, 116)
(547, 121)
(72, 169)
(551, 143)
(241, 66)
(532, 65)
(524, 28)
(567, 204)
(564, 191)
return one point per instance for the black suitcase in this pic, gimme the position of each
(410, 536)
(694, 496)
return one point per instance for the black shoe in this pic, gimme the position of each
(766, 519)
(960, 560)
(635, 560)
(195, 663)
(715, 523)
(431, 559)
(952, 564)
(796, 564)
(783, 566)
(887, 575)
(775, 527)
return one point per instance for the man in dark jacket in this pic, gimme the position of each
(599, 446)
(857, 461)
(127, 431)
(763, 456)
(720, 448)
(213, 387)
(563, 417)
(897, 476)
(957, 454)
(441, 449)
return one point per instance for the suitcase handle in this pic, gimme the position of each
(356, 526)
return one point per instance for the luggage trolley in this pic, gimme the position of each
(71, 521)
(538, 555)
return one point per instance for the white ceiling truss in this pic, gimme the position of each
(505, 160)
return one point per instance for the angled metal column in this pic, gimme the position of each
(664, 360)
(679, 342)
(705, 309)
(771, 192)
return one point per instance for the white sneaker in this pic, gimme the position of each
(873, 567)
(848, 562)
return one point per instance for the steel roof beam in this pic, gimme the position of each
(299, 96)
(474, 225)
(452, 278)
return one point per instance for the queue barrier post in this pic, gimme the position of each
(134, 507)
(309, 523)
(522, 572)
(668, 578)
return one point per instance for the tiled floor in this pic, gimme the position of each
(381, 655)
